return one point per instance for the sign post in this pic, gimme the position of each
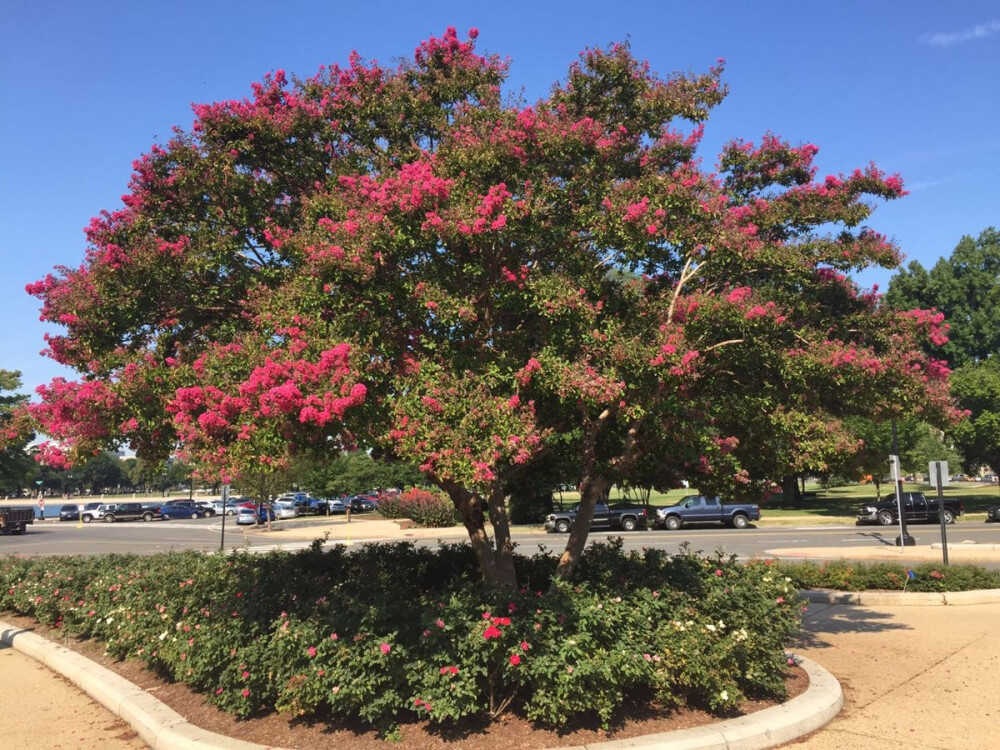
(904, 539)
(225, 500)
(939, 475)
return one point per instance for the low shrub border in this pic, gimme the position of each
(390, 630)
(846, 575)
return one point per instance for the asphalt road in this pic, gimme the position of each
(55, 538)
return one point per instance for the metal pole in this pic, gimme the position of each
(225, 500)
(904, 540)
(944, 533)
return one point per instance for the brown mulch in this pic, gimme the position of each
(510, 732)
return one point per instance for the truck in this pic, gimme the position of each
(706, 509)
(622, 516)
(16, 520)
(111, 512)
(916, 507)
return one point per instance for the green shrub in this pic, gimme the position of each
(851, 575)
(389, 631)
(430, 509)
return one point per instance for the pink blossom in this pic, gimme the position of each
(385, 648)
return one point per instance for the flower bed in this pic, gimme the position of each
(391, 631)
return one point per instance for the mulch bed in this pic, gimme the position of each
(510, 732)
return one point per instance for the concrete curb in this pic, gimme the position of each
(157, 724)
(162, 728)
(902, 598)
(806, 713)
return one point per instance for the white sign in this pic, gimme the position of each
(932, 472)
(895, 473)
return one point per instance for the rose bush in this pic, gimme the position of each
(389, 632)
(431, 509)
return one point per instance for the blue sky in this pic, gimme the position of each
(89, 85)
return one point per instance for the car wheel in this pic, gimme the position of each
(87, 519)
(628, 524)
(949, 516)
(109, 518)
(740, 521)
(885, 518)
(165, 516)
(562, 526)
(147, 516)
(673, 523)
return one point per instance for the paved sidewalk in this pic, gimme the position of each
(43, 711)
(918, 677)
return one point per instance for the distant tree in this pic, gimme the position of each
(102, 472)
(933, 445)
(16, 466)
(355, 471)
(977, 388)
(871, 456)
(965, 287)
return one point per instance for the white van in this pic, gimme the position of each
(284, 509)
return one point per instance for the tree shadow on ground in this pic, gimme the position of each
(840, 618)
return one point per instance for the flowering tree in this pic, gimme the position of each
(398, 258)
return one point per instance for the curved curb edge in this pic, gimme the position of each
(162, 728)
(771, 727)
(901, 598)
(157, 724)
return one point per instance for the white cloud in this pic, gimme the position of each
(948, 38)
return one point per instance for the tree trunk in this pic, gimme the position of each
(495, 564)
(591, 490)
(790, 489)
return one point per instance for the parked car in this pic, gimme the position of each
(154, 509)
(361, 504)
(126, 512)
(251, 516)
(229, 508)
(622, 516)
(706, 509)
(284, 509)
(993, 514)
(72, 512)
(96, 513)
(181, 509)
(959, 478)
(207, 506)
(988, 478)
(916, 507)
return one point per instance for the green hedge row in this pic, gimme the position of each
(387, 632)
